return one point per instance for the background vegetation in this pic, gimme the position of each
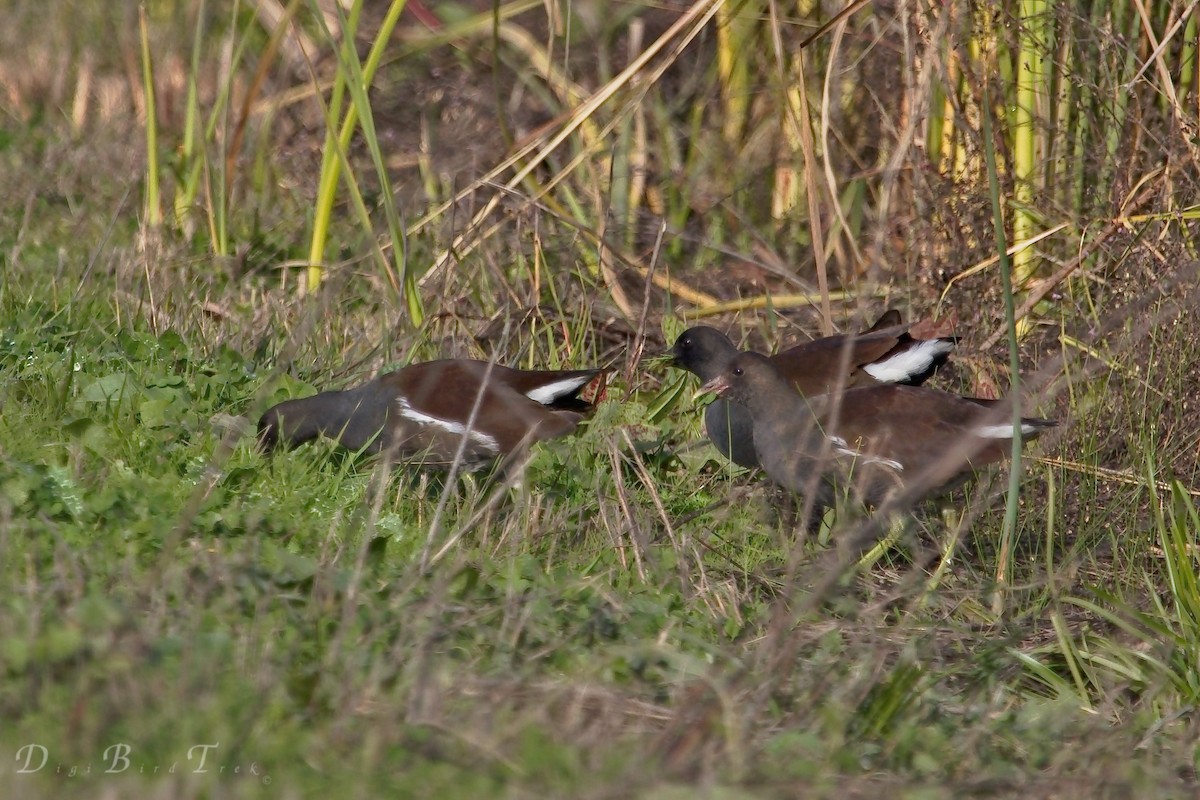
(213, 206)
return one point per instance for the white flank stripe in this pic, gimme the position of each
(839, 444)
(457, 428)
(547, 393)
(1004, 431)
(913, 361)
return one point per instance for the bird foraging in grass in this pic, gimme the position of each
(433, 411)
(873, 440)
(885, 353)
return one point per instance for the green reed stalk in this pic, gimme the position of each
(1008, 532)
(737, 24)
(339, 140)
(1187, 60)
(361, 106)
(1030, 80)
(154, 214)
(189, 190)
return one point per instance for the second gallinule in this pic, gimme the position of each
(427, 410)
(885, 353)
(871, 440)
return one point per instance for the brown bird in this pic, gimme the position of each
(431, 410)
(885, 353)
(873, 439)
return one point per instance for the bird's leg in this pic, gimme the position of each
(800, 515)
(954, 530)
(896, 526)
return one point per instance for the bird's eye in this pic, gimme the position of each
(685, 343)
(738, 370)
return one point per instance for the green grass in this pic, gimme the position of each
(571, 637)
(630, 617)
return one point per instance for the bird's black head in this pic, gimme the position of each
(703, 351)
(748, 376)
(268, 431)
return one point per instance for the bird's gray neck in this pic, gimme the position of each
(350, 415)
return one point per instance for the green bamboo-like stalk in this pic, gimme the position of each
(683, 153)
(194, 165)
(622, 192)
(331, 164)
(339, 140)
(937, 123)
(620, 179)
(788, 189)
(1187, 59)
(1083, 102)
(1115, 106)
(357, 86)
(1008, 532)
(1159, 14)
(737, 24)
(982, 40)
(853, 201)
(188, 191)
(941, 122)
(1065, 114)
(1030, 80)
(958, 147)
(154, 214)
(1001, 59)
(216, 186)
